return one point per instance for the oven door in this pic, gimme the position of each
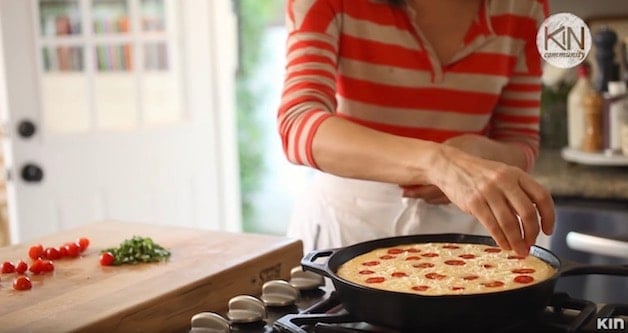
(592, 232)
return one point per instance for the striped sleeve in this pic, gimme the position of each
(309, 89)
(517, 116)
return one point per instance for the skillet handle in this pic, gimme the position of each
(571, 268)
(309, 264)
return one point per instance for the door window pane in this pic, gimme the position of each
(161, 98)
(63, 59)
(153, 18)
(156, 57)
(110, 16)
(64, 96)
(115, 100)
(114, 57)
(59, 17)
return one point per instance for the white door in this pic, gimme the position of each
(119, 109)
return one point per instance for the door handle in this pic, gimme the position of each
(32, 173)
(26, 128)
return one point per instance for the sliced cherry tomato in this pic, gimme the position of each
(72, 249)
(377, 279)
(420, 288)
(7, 267)
(22, 282)
(21, 267)
(52, 254)
(36, 251)
(107, 259)
(524, 279)
(83, 243)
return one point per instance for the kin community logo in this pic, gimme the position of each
(564, 40)
(607, 324)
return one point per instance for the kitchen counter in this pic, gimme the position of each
(566, 179)
(205, 270)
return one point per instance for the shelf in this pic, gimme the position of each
(599, 159)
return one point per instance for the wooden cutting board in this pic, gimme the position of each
(205, 270)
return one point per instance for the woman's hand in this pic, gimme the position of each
(476, 145)
(497, 194)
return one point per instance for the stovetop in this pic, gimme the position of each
(564, 314)
(320, 311)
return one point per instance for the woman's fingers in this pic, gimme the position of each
(543, 202)
(525, 210)
(508, 222)
(481, 210)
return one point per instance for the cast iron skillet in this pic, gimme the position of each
(409, 312)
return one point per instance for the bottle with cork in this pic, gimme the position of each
(615, 109)
(592, 141)
(576, 108)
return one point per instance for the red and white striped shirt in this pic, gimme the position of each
(365, 61)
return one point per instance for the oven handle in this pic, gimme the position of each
(597, 245)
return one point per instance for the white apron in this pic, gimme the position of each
(335, 212)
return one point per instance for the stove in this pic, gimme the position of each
(319, 310)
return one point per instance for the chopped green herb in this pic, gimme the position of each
(137, 250)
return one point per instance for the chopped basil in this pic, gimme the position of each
(137, 250)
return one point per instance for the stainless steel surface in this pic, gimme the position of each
(279, 293)
(305, 280)
(209, 322)
(246, 309)
(597, 245)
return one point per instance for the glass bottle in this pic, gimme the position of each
(575, 107)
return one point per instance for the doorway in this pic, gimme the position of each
(269, 183)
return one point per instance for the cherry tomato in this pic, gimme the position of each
(52, 253)
(63, 252)
(72, 249)
(22, 282)
(47, 266)
(37, 267)
(7, 267)
(107, 259)
(21, 267)
(36, 251)
(83, 243)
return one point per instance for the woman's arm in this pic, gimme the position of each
(494, 192)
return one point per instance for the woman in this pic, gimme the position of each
(422, 116)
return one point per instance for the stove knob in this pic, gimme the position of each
(303, 280)
(246, 309)
(279, 293)
(209, 322)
